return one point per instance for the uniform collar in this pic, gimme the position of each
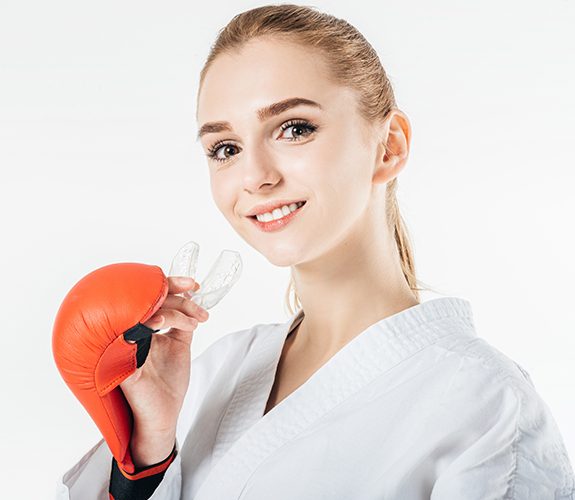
(406, 321)
(246, 437)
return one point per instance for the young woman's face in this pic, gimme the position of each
(324, 156)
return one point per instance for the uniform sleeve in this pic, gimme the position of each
(142, 483)
(521, 457)
(91, 477)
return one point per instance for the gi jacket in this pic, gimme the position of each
(415, 407)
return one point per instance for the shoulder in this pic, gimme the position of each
(485, 361)
(508, 428)
(492, 376)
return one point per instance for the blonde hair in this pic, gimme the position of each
(352, 61)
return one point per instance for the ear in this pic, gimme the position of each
(393, 148)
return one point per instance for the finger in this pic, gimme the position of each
(187, 306)
(182, 335)
(156, 322)
(174, 319)
(179, 284)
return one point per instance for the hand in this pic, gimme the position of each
(156, 390)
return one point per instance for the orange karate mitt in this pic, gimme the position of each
(94, 323)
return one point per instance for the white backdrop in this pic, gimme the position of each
(99, 164)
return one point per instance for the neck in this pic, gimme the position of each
(342, 304)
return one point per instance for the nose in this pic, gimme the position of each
(259, 167)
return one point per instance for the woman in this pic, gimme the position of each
(365, 392)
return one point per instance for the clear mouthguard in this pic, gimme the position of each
(223, 274)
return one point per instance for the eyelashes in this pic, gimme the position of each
(303, 124)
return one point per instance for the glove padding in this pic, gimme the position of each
(90, 344)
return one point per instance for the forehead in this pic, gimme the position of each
(262, 72)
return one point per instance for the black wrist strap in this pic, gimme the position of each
(123, 488)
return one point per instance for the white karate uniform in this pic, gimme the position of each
(415, 407)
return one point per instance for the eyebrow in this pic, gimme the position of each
(263, 114)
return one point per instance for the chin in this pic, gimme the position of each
(281, 257)
(280, 262)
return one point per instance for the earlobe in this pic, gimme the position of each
(386, 170)
(389, 165)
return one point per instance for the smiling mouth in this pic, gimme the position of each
(255, 216)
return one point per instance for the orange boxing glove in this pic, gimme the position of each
(90, 342)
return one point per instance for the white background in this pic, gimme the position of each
(99, 164)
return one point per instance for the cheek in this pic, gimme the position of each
(339, 170)
(223, 196)
(344, 181)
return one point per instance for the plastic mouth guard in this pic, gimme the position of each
(222, 276)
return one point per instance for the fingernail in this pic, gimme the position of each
(185, 279)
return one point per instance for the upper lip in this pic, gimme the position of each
(269, 207)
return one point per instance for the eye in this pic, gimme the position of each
(304, 125)
(299, 125)
(213, 150)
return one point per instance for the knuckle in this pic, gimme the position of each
(187, 307)
(200, 310)
(184, 321)
(181, 302)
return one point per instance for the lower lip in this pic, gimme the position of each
(276, 225)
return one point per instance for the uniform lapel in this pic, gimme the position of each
(255, 384)
(246, 438)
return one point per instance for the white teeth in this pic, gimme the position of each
(278, 213)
